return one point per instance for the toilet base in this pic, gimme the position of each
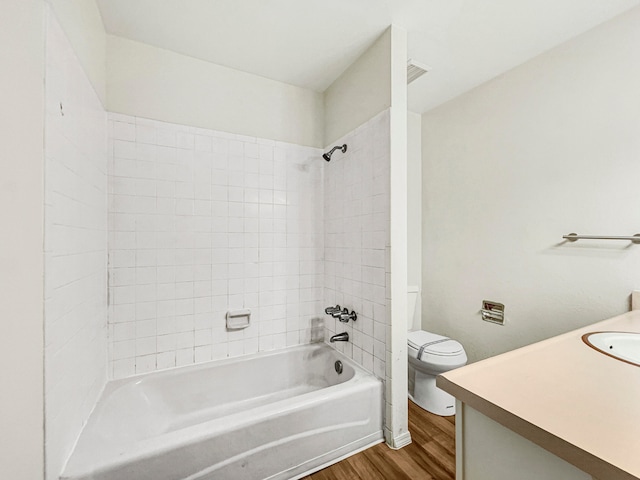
(428, 396)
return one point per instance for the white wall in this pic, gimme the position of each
(75, 247)
(414, 206)
(361, 92)
(202, 222)
(150, 82)
(546, 149)
(21, 237)
(82, 23)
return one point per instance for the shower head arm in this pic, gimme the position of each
(341, 147)
(327, 156)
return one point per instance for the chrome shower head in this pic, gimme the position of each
(327, 156)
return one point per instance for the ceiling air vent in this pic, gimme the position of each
(415, 70)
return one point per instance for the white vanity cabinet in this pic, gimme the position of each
(485, 450)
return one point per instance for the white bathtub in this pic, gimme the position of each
(275, 415)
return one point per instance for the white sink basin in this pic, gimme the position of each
(623, 346)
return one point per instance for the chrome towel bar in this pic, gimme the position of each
(572, 237)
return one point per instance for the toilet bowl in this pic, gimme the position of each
(430, 355)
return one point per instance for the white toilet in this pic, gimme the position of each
(430, 355)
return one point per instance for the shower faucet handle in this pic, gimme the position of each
(346, 316)
(338, 313)
(332, 310)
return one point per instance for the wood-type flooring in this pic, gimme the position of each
(430, 456)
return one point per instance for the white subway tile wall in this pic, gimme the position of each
(356, 232)
(75, 276)
(201, 222)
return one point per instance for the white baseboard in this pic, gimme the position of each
(396, 443)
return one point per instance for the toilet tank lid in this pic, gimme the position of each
(433, 343)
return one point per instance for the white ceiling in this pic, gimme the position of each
(309, 43)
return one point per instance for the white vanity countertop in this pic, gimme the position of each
(565, 396)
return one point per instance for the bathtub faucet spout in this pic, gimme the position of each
(340, 337)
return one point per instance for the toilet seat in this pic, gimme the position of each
(427, 343)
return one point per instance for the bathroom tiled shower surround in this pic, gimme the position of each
(356, 232)
(153, 231)
(201, 222)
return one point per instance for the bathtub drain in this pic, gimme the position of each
(338, 366)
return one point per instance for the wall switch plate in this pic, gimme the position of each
(492, 312)
(635, 300)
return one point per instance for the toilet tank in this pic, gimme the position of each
(413, 317)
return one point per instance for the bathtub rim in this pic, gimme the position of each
(112, 384)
